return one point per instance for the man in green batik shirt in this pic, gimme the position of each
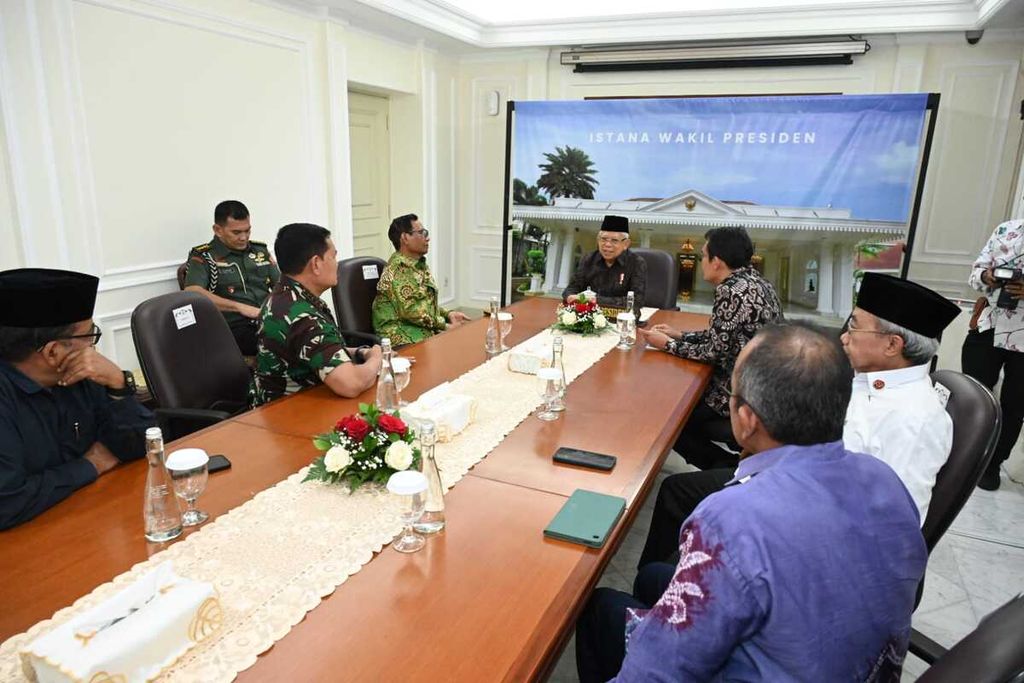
(405, 309)
(299, 342)
(234, 272)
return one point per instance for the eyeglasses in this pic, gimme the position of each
(421, 231)
(848, 327)
(94, 335)
(742, 401)
(611, 240)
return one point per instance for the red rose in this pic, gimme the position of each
(581, 308)
(391, 424)
(354, 426)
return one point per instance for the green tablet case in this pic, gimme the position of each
(586, 518)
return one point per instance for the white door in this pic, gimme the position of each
(370, 154)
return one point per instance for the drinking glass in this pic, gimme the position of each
(547, 387)
(411, 487)
(189, 473)
(505, 322)
(402, 368)
(626, 323)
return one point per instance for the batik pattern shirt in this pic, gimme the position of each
(405, 309)
(628, 273)
(299, 343)
(243, 276)
(744, 303)
(804, 568)
(1005, 248)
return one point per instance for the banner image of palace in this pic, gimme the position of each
(824, 185)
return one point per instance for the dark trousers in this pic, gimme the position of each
(983, 361)
(601, 628)
(244, 332)
(695, 441)
(678, 496)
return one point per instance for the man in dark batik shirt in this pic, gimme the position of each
(68, 415)
(299, 342)
(744, 303)
(612, 270)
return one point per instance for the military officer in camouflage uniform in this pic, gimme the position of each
(234, 272)
(405, 309)
(299, 342)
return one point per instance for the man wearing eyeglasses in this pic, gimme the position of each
(612, 270)
(67, 414)
(406, 309)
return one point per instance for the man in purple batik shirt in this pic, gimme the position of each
(805, 567)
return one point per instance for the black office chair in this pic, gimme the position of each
(977, 420)
(182, 271)
(991, 653)
(662, 278)
(353, 298)
(191, 362)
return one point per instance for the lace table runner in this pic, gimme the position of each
(275, 557)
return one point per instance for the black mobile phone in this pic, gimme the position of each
(581, 458)
(218, 463)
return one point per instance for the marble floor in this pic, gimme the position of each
(976, 567)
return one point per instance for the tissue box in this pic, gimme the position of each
(133, 636)
(450, 413)
(529, 359)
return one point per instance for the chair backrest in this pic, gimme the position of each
(662, 278)
(977, 419)
(991, 653)
(353, 295)
(182, 270)
(187, 352)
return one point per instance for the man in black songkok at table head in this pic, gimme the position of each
(612, 270)
(67, 413)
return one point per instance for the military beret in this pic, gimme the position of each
(40, 297)
(906, 304)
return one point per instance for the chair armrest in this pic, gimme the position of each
(355, 338)
(924, 648)
(178, 422)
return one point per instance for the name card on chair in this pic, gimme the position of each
(184, 317)
(370, 272)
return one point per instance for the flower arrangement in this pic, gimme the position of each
(368, 446)
(583, 317)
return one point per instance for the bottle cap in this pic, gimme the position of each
(154, 433)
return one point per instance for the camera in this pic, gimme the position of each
(1003, 277)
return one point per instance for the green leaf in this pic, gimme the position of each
(392, 437)
(322, 442)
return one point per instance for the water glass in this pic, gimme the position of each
(411, 487)
(402, 369)
(626, 324)
(548, 386)
(189, 472)
(505, 323)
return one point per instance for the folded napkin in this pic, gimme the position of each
(133, 636)
(450, 412)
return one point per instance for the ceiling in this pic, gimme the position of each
(493, 24)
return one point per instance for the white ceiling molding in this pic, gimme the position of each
(768, 18)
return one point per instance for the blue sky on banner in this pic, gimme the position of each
(857, 152)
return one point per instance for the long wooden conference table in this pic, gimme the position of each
(490, 598)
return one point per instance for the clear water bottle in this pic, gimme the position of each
(558, 403)
(160, 509)
(626, 323)
(432, 519)
(387, 389)
(492, 340)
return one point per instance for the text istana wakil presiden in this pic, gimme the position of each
(705, 137)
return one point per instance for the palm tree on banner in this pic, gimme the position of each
(527, 195)
(568, 173)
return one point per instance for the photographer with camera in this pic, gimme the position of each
(995, 341)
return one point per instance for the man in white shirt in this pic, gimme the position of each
(895, 413)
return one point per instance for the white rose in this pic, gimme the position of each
(568, 318)
(399, 456)
(600, 321)
(337, 459)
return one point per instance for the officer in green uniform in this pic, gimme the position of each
(234, 272)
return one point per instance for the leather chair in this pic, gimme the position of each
(353, 297)
(991, 653)
(181, 276)
(662, 278)
(977, 419)
(196, 373)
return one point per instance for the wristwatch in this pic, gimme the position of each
(671, 345)
(361, 352)
(127, 390)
